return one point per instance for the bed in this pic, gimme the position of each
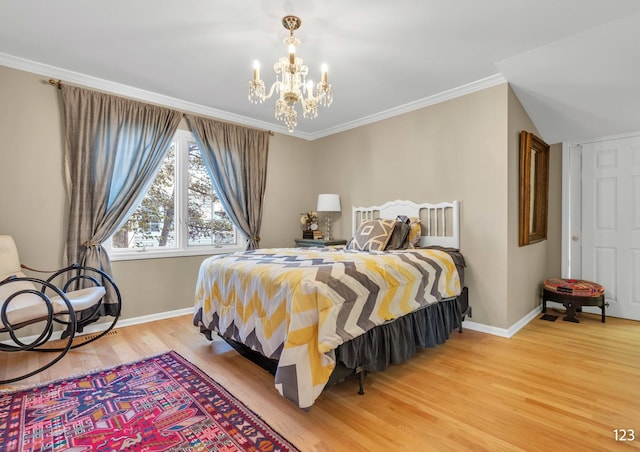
(314, 315)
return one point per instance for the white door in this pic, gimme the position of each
(611, 222)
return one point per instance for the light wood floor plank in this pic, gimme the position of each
(553, 386)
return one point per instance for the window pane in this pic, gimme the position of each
(208, 223)
(182, 188)
(152, 225)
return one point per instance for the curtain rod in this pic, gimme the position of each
(58, 83)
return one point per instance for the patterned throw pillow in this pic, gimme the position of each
(398, 240)
(372, 235)
(413, 239)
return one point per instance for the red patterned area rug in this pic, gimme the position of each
(163, 403)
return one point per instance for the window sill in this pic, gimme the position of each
(163, 254)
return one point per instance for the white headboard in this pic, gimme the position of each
(440, 222)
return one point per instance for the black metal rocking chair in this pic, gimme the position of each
(30, 307)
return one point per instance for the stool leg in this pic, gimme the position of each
(603, 305)
(570, 315)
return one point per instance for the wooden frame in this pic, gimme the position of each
(534, 189)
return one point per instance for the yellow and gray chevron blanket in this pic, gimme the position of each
(297, 305)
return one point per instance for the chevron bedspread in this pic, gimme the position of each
(297, 305)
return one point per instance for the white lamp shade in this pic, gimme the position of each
(328, 203)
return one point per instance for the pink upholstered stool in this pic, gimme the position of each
(573, 294)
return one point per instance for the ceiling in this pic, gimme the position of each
(574, 64)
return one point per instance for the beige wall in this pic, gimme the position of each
(287, 193)
(553, 263)
(31, 167)
(34, 204)
(529, 265)
(453, 150)
(463, 149)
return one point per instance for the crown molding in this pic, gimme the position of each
(478, 85)
(88, 81)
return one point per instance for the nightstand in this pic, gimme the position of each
(306, 243)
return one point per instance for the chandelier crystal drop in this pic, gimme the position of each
(291, 83)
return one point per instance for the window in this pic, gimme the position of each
(181, 213)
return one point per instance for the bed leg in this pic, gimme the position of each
(463, 297)
(361, 372)
(463, 317)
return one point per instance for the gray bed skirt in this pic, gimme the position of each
(397, 341)
(393, 342)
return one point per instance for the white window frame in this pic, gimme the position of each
(182, 248)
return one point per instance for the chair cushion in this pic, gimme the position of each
(575, 287)
(25, 307)
(29, 307)
(9, 259)
(82, 299)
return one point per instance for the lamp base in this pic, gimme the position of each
(329, 233)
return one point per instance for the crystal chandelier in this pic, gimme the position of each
(291, 83)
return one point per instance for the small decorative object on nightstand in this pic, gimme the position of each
(307, 243)
(310, 222)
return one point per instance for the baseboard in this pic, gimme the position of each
(98, 327)
(150, 318)
(523, 321)
(502, 332)
(480, 327)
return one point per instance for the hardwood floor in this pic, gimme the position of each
(553, 386)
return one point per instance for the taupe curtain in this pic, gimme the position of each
(236, 158)
(114, 149)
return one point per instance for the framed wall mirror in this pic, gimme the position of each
(534, 188)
